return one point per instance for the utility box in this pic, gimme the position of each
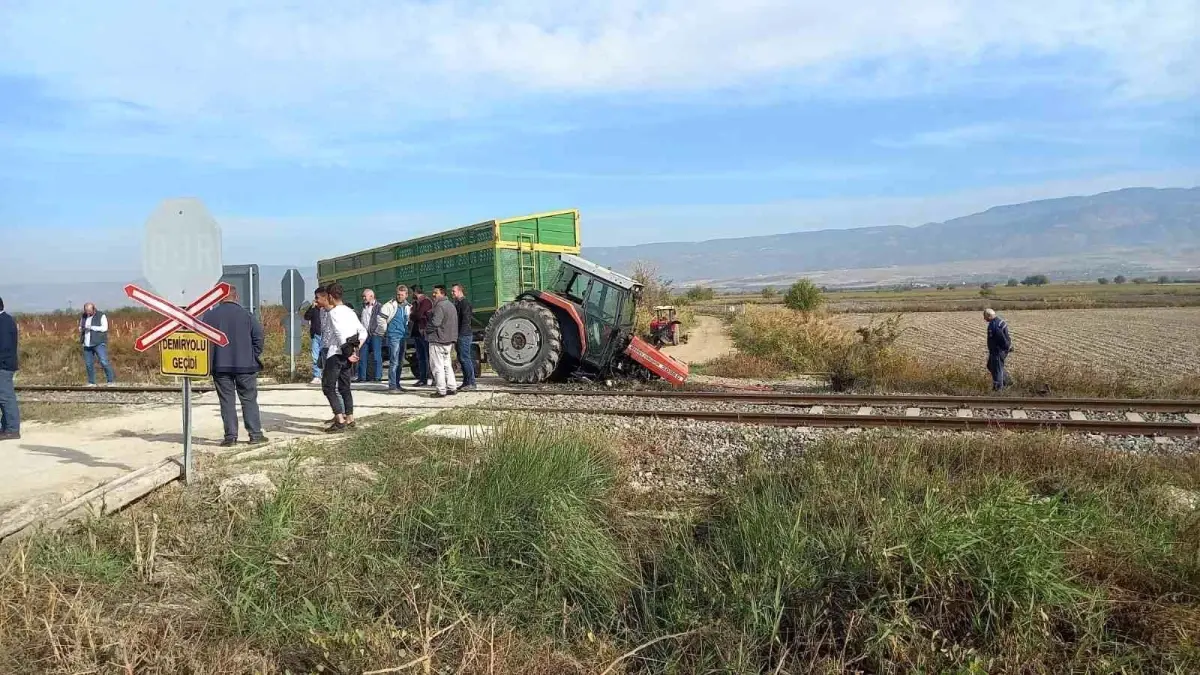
(494, 261)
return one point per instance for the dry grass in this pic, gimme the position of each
(945, 353)
(64, 413)
(881, 552)
(1131, 344)
(50, 351)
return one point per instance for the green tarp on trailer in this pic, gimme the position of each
(494, 261)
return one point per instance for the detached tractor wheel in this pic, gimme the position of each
(524, 342)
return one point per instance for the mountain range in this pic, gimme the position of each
(1143, 227)
(1132, 231)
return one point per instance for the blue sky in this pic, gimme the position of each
(311, 128)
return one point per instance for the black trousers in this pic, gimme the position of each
(245, 387)
(335, 384)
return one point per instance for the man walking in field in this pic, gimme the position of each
(235, 367)
(465, 338)
(93, 335)
(998, 344)
(395, 317)
(10, 413)
(442, 334)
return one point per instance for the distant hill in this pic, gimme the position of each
(1145, 219)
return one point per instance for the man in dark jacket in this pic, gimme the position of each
(10, 413)
(422, 308)
(465, 337)
(442, 333)
(998, 344)
(235, 367)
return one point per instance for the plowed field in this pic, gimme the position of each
(1150, 342)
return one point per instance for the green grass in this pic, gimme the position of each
(879, 552)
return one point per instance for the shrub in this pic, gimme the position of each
(1103, 281)
(803, 296)
(1035, 280)
(769, 293)
(1012, 283)
(698, 293)
(1119, 279)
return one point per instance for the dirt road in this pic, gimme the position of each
(707, 340)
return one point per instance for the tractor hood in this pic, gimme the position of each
(659, 363)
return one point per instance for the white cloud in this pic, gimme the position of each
(293, 69)
(953, 137)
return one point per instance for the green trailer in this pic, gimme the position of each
(494, 260)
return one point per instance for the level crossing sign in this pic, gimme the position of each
(179, 318)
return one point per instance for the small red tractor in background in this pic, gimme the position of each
(666, 328)
(582, 326)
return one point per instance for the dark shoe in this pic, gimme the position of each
(451, 392)
(469, 387)
(10, 435)
(420, 383)
(228, 442)
(335, 428)
(259, 440)
(438, 394)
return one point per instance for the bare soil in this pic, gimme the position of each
(707, 340)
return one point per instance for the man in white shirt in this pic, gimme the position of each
(343, 337)
(93, 335)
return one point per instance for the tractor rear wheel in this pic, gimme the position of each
(524, 342)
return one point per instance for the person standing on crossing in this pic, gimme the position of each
(235, 367)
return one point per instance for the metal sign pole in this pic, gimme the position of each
(291, 317)
(187, 431)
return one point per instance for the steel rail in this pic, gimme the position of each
(772, 398)
(910, 400)
(1122, 428)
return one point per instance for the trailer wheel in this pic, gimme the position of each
(524, 342)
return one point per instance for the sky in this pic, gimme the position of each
(314, 128)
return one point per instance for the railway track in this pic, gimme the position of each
(1181, 417)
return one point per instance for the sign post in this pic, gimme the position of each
(181, 258)
(293, 296)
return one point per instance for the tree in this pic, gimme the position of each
(1035, 280)
(1012, 283)
(803, 296)
(1102, 281)
(1140, 280)
(1119, 279)
(697, 293)
(1164, 279)
(986, 286)
(769, 293)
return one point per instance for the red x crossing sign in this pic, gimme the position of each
(179, 318)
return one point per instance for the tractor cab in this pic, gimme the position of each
(606, 302)
(581, 324)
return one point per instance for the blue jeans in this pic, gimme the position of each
(466, 359)
(374, 348)
(10, 414)
(421, 365)
(316, 356)
(995, 366)
(90, 354)
(396, 344)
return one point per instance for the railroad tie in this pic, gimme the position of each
(912, 412)
(964, 412)
(1077, 415)
(865, 410)
(1134, 417)
(1194, 418)
(1020, 414)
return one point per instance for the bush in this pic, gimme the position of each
(1103, 281)
(1035, 280)
(698, 293)
(1119, 279)
(1164, 279)
(769, 293)
(803, 296)
(1012, 283)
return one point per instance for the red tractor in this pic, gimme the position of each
(666, 328)
(582, 325)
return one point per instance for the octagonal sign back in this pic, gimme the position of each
(181, 255)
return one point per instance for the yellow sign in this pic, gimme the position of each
(185, 353)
